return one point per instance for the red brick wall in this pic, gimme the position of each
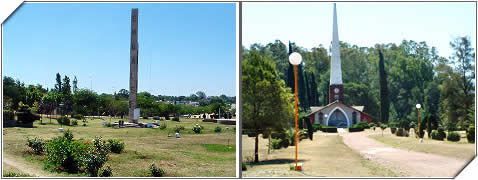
(332, 93)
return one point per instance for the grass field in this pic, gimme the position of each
(460, 150)
(208, 154)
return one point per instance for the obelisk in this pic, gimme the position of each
(133, 74)
(336, 88)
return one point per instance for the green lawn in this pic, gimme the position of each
(460, 150)
(193, 155)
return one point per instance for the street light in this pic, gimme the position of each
(295, 59)
(419, 133)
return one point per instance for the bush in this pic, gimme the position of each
(244, 167)
(115, 146)
(77, 116)
(400, 132)
(68, 135)
(26, 116)
(145, 117)
(329, 129)
(175, 119)
(383, 127)
(276, 143)
(316, 127)
(8, 115)
(163, 126)
(197, 128)
(36, 144)
(178, 128)
(108, 124)
(156, 172)
(438, 134)
(156, 118)
(362, 125)
(393, 130)
(106, 172)
(453, 136)
(217, 129)
(63, 120)
(372, 124)
(65, 155)
(355, 129)
(470, 134)
(96, 158)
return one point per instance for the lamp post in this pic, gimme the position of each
(419, 133)
(295, 59)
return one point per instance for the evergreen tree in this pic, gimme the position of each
(290, 73)
(58, 83)
(75, 85)
(384, 103)
(302, 91)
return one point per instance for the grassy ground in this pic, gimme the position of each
(325, 156)
(193, 155)
(460, 150)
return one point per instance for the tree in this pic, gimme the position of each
(201, 95)
(67, 97)
(75, 85)
(384, 103)
(123, 93)
(267, 103)
(58, 82)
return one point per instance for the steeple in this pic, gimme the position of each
(336, 88)
(335, 66)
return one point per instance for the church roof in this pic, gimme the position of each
(318, 108)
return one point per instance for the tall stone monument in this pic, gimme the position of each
(133, 74)
(336, 88)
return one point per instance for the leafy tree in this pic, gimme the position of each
(384, 103)
(58, 83)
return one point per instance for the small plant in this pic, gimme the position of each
(63, 120)
(116, 146)
(197, 128)
(175, 119)
(84, 122)
(36, 144)
(470, 134)
(156, 172)
(393, 130)
(163, 126)
(453, 136)
(276, 143)
(145, 117)
(106, 172)
(244, 167)
(77, 116)
(438, 134)
(217, 129)
(178, 128)
(74, 122)
(68, 135)
(108, 124)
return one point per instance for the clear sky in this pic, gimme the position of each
(359, 23)
(183, 47)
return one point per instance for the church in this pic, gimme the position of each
(336, 113)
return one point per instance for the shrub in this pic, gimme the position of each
(96, 158)
(74, 122)
(276, 143)
(244, 167)
(372, 124)
(156, 118)
(178, 128)
(197, 128)
(163, 126)
(77, 116)
(217, 129)
(438, 134)
(68, 135)
(84, 122)
(175, 119)
(470, 134)
(453, 136)
(36, 144)
(65, 155)
(383, 127)
(108, 124)
(362, 125)
(8, 115)
(106, 172)
(63, 120)
(316, 127)
(156, 172)
(421, 134)
(400, 132)
(115, 146)
(329, 129)
(393, 130)
(26, 116)
(145, 117)
(355, 129)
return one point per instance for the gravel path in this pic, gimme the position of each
(413, 164)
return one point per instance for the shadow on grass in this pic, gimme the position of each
(276, 161)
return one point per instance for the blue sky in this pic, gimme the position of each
(359, 23)
(183, 47)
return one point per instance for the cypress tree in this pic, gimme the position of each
(384, 103)
(301, 88)
(290, 72)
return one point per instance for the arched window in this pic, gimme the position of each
(354, 117)
(321, 118)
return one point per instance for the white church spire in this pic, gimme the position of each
(335, 64)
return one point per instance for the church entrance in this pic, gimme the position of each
(338, 119)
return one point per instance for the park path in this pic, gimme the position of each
(28, 169)
(410, 163)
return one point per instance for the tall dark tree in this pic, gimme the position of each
(290, 72)
(302, 91)
(75, 85)
(67, 96)
(384, 103)
(58, 83)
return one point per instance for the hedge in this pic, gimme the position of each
(470, 134)
(329, 129)
(453, 136)
(400, 132)
(393, 129)
(355, 129)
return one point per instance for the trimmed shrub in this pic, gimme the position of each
(106, 172)
(372, 124)
(115, 146)
(36, 144)
(244, 167)
(276, 143)
(74, 122)
(393, 124)
(197, 128)
(8, 115)
(470, 134)
(178, 128)
(217, 129)
(453, 136)
(77, 116)
(145, 117)
(362, 125)
(400, 132)
(316, 127)
(329, 129)
(175, 119)
(393, 130)
(63, 120)
(163, 126)
(156, 118)
(155, 171)
(438, 134)
(355, 129)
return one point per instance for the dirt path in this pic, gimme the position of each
(325, 156)
(21, 166)
(410, 163)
